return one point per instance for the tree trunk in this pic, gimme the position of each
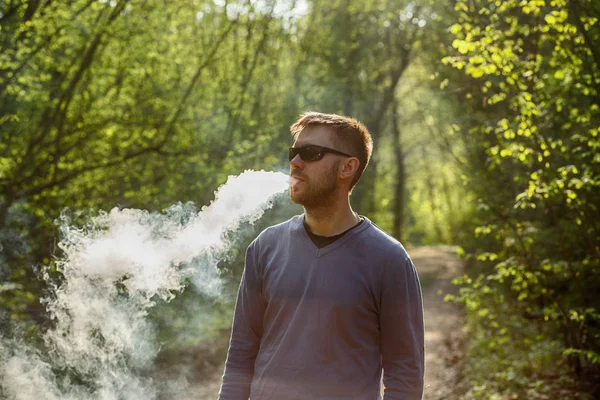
(452, 209)
(400, 182)
(375, 125)
(9, 199)
(365, 189)
(432, 200)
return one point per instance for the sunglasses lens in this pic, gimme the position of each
(311, 154)
(307, 153)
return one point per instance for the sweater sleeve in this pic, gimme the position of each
(246, 332)
(402, 332)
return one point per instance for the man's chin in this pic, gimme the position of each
(307, 202)
(295, 197)
(311, 199)
(301, 197)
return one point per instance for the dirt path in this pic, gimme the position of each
(443, 321)
(443, 328)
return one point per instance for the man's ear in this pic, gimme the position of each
(349, 168)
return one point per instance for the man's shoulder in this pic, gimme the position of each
(384, 244)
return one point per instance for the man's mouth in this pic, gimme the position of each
(294, 180)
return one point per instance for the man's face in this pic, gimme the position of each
(315, 183)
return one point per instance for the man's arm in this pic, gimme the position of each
(246, 332)
(402, 333)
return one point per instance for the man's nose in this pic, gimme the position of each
(296, 162)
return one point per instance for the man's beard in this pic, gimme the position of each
(318, 193)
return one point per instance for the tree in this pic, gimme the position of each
(535, 172)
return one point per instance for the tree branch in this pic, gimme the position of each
(189, 89)
(73, 174)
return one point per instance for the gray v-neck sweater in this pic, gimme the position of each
(321, 324)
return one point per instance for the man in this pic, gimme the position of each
(327, 300)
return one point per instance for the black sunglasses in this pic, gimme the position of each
(313, 152)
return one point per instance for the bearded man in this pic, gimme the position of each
(329, 305)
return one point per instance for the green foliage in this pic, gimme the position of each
(534, 68)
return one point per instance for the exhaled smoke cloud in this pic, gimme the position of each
(115, 269)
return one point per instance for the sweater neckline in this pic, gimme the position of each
(323, 241)
(319, 252)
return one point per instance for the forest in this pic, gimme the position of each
(485, 116)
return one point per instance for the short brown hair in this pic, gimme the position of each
(347, 129)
